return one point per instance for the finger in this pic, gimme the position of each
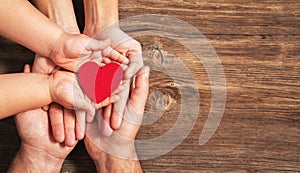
(82, 102)
(88, 107)
(94, 45)
(80, 124)
(119, 107)
(115, 55)
(106, 60)
(45, 108)
(134, 111)
(107, 101)
(140, 92)
(27, 68)
(42, 65)
(124, 67)
(106, 129)
(96, 56)
(120, 88)
(57, 122)
(90, 117)
(69, 123)
(135, 64)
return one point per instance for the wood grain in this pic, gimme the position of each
(258, 43)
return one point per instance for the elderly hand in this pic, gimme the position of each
(120, 145)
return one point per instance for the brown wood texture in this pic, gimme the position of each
(258, 44)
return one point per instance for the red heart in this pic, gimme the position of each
(99, 82)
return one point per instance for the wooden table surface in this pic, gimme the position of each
(258, 44)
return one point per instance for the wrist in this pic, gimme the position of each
(60, 12)
(32, 159)
(117, 148)
(110, 163)
(99, 14)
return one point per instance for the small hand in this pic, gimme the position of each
(64, 89)
(65, 128)
(39, 152)
(71, 50)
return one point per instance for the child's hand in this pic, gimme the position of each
(64, 89)
(71, 50)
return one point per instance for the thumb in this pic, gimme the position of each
(82, 104)
(134, 111)
(27, 68)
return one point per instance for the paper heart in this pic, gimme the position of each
(99, 82)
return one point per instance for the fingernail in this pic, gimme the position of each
(89, 118)
(147, 72)
(126, 60)
(128, 75)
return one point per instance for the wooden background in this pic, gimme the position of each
(258, 43)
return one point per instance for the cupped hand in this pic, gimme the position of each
(121, 142)
(65, 128)
(71, 50)
(34, 130)
(132, 49)
(65, 90)
(37, 142)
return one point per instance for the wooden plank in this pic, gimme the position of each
(231, 17)
(260, 127)
(258, 44)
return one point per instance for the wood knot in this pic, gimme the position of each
(158, 103)
(158, 56)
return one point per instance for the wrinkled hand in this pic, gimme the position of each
(121, 143)
(65, 128)
(132, 49)
(67, 131)
(33, 128)
(71, 50)
(125, 45)
(38, 148)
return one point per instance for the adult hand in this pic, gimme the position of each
(39, 152)
(117, 152)
(63, 130)
(125, 45)
(101, 23)
(130, 48)
(66, 91)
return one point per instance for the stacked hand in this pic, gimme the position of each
(37, 142)
(120, 144)
(65, 90)
(127, 46)
(71, 50)
(58, 122)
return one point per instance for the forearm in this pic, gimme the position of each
(20, 92)
(99, 14)
(34, 160)
(60, 12)
(24, 24)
